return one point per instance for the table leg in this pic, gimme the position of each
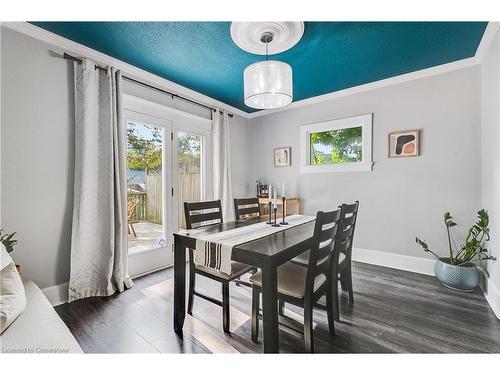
(179, 284)
(270, 309)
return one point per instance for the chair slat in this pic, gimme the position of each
(248, 210)
(247, 201)
(321, 253)
(193, 215)
(349, 220)
(327, 234)
(344, 234)
(351, 208)
(209, 216)
(197, 206)
(246, 206)
(323, 241)
(343, 246)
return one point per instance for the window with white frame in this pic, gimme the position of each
(341, 145)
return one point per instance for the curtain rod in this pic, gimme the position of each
(67, 56)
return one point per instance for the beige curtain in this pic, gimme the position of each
(221, 140)
(99, 230)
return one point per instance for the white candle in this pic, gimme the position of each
(282, 188)
(275, 196)
(270, 192)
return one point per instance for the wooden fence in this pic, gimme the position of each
(140, 209)
(150, 202)
(190, 191)
(154, 208)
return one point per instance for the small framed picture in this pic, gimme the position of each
(404, 143)
(282, 157)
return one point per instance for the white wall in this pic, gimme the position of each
(490, 162)
(400, 198)
(37, 156)
(37, 149)
(241, 158)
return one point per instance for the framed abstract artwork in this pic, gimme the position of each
(282, 157)
(404, 143)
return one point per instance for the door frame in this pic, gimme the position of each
(172, 121)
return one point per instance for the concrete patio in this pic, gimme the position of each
(148, 237)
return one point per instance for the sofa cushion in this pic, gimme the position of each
(38, 329)
(12, 297)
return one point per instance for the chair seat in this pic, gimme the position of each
(303, 259)
(237, 269)
(291, 280)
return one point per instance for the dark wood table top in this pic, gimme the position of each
(278, 247)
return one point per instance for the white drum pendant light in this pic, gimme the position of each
(267, 84)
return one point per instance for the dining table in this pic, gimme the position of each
(266, 253)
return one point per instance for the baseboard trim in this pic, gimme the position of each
(401, 262)
(57, 294)
(492, 295)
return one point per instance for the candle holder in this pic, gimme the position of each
(283, 222)
(270, 221)
(275, 222)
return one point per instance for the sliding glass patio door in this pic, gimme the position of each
(149, 198)
(168, 163)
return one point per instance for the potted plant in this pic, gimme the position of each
(7, 239)
(458, 270)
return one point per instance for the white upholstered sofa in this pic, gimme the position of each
(38, 329)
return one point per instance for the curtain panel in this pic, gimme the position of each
(222, 163)
(99, 230)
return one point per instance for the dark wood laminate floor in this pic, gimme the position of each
(394, 312)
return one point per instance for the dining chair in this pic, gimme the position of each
(344, 266)
(304, 286)
(198, 214)
(342, 259)
(245, 208)
(131, 208)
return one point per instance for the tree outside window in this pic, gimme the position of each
(337, 146)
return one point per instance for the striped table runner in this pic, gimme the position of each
(214, 250)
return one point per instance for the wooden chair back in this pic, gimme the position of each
(245, 208)
(345, 234)
(325, 231)
(198, 214)
(131, 207)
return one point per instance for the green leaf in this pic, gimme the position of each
(8, 240)
(473, 248)
(422, 243)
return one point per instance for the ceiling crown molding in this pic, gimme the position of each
(484, 45)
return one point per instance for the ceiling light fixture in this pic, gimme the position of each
(267, 84)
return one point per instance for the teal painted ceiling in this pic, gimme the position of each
(331, 56)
